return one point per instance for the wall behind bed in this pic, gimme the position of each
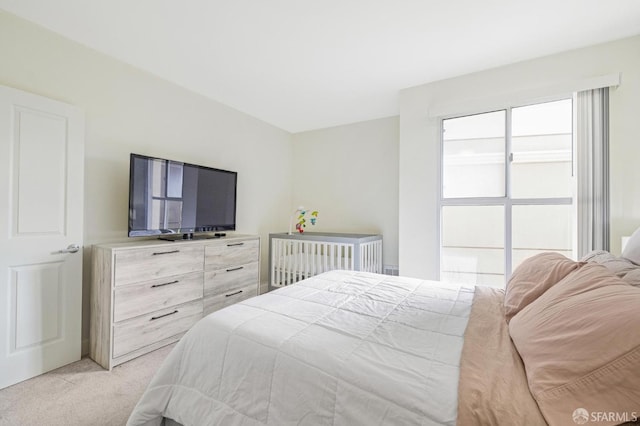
(419, 135)
(128, 110)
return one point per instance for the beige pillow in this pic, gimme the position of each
(534, 276)
(618, 265)
(632, 277)
(580, 344)
(598, 256)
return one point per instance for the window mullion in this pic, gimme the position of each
(473, 201)
(542, 201)
(508, 239)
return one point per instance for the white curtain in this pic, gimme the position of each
(592, 150)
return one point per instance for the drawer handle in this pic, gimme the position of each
(235, 269)
(163, 284)
(165, 315)
(235, 244)
(165, 252)
(233, 294)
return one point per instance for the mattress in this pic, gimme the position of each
(339, 348)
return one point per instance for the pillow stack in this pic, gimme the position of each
(576, 326)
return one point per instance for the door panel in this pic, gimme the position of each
(41, 212)
(39, 144)
(37, 296)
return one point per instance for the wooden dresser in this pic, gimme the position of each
(147, 294)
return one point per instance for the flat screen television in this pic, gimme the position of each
(170, 197)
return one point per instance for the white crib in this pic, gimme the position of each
(298, 256)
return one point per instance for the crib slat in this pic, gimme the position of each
(274, 262)
(279, 280)
(285, 260)
(307, 266)
(351, 257)
(282, 281)
(278, 254)
(290, 263)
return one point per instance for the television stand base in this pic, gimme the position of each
(190, 237)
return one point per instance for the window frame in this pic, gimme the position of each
(506, 201)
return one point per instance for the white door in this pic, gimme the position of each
(41, 212)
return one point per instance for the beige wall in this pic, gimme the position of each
(128, 110)
(536, 80)
(350, 175)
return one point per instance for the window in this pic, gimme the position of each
(508, 190)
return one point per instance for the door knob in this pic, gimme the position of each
(72, 248)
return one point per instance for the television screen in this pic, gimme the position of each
(170, 197)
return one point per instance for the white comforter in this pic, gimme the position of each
(341, 348)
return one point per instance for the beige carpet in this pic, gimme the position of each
(81, 393)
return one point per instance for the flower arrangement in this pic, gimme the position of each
(301, 212)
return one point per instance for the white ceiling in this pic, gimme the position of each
(301, 64)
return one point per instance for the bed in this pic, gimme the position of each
(351, 348)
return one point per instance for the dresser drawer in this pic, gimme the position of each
(231, 252)
(138, 265)
(222, 280)
(142, 298)
(229, 297)
(144, 330)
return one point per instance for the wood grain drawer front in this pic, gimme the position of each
(144, 330)
(219, 301)
(231, 253)
(144, 264)
(142, 298)
(222, 280)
